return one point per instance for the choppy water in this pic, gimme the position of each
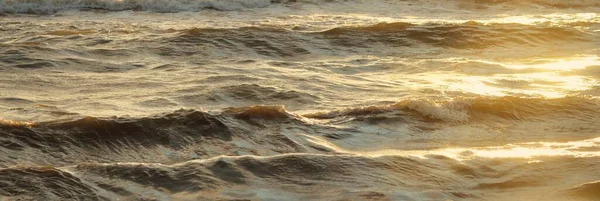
(299, 100)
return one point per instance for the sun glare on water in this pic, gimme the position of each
(541, 78)
(584, 148)
(560, 64)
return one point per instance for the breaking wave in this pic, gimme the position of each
(192, 152)
(192, 134)
(465, 109)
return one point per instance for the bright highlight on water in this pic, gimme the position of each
(299, 100)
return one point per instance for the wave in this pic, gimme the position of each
(287, 176)
(251, 94)
(280, 43)
(51, 6)
(589, 190)
(110, 181)
(545, 3)
(259, 130)
(53, 184)
(466, 109)
(181, 135)
(11, 123)
(188, 154)
(218, 124)
(391, 38)
(468, 35)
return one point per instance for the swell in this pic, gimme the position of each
(468, 35)
(545, 3)
(191, 154)
(48, 6)
(259, 42)
(250, 94)
(259, 130)
(52, 6)
(181, 135)
(589, 190)
(298, 175)
(50, 184)
(475, 109)
(460, 109)
(161, 6)
(201, 177)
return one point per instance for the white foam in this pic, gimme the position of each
(453, 111)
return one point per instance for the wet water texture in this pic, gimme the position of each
(299, 100)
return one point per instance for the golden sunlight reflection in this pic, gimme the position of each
(545, 78)
(548, 85)
(11, 123)
(555, 18)
(559, 19)
(560, 64)
(584, 148)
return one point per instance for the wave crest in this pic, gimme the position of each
(11, 123)
(466, 109)
(261, 112)
(171, 137)
(468, 35)
(453, 111)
